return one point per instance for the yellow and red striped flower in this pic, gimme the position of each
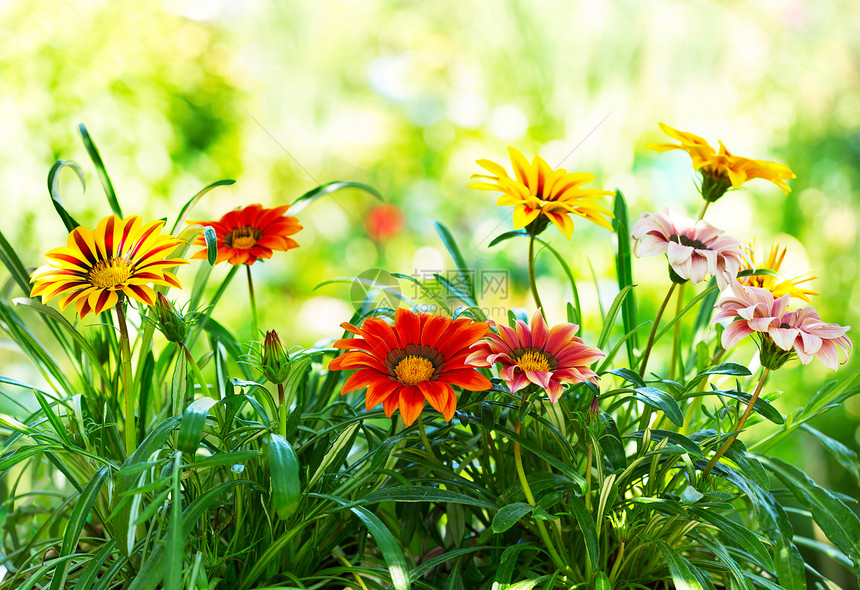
(540, 194)
(246, 235)
(418, 358)
(120, 256)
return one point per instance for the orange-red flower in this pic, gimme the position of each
(418, 358)
(537, 355)
(245, 235)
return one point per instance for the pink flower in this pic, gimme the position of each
(782, 332)
(546, 358)
(695, 248)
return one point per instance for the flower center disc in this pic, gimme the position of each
(414, 369)
(534, 360)
(243, 238)
(690, 242)
(110, 273)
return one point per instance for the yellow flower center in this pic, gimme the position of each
(107, 274)
(534, 360)
(243, 238)
(414, 369)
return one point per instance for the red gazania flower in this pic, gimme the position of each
(547, 358)
(244, 235)
(418, 358)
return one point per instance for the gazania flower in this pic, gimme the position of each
(778, 285)
(540, 194)
(418, 358)
(722, 170)
(244, 235)
(546, 358)
(119, 256)
(695, 249)
(782, 333)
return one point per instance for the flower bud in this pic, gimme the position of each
(275, 360)
(171, 323)
(594, 411)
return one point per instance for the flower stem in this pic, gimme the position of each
(518, 460)
(426, 441)
(282, 411)
(704, 209)
(676, 339)
(125, 360)
(254, 323)
(653, 334)
(739, 426)
(532, 280)
(195, 368)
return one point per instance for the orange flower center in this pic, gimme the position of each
(534, 360)
(243, 238)
(109, 273)
(414, 369)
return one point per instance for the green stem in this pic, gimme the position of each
(676, 340)
(739, 426)
(532, 280)
(198, 375)
(254, 323)
(426, 441)
(704, 209)
(128, 393)
(282, 411)
(518, 461)
(222, 288)
(653, 333)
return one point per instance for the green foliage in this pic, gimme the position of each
(242, 483)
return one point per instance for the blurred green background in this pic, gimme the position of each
(405, 96)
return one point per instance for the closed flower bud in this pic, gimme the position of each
(171, 323)
(276, 361)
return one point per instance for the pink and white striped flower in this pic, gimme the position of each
(534, 354)
(802, 332)
(695, 249)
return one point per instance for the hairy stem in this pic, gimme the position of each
(532, 279)
(254, 323)
(282, 411)
(740, 425)
(676, 339)
(644, 364)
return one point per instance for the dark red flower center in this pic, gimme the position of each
(690, 242)
(414, 364)
(243, 238)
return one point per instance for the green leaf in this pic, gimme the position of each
(737, 534)
(609, 321)
(683, 572)
(194, 200)
(762, 407)
(624, 271)
(661, 400)
(54, 191)
(837, 521)
(55, 421)
(75, 525)
(284, 471)
(193, 421)
(211, 239)
(733, 369)
(509, 515)
(93, 151)
(585, 520)
(703, 317)
(337, 453)
(328, 188)
(845, 456)
(86, 579)
(507, 236)
(13, 264)
(674, 438)
(416, 493)
(463, 270)
(601, 581)
(175, 538)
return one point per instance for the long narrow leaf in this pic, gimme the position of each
(107, 185)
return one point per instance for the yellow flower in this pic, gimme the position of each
(119, 256)
(778, 285)
(721, 170)
(540, 194)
